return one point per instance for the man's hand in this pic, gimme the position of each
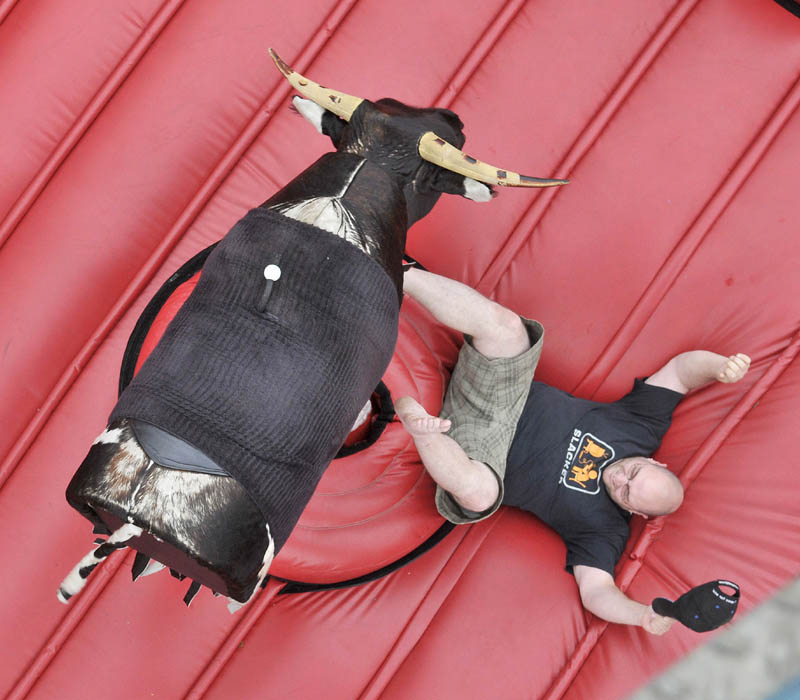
(696, 368)
(601, 597)
(733, 368)
(655, 623)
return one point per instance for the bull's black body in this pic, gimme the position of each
(210, 527)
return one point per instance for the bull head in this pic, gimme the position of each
(431, 146)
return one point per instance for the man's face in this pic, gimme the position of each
(639, 485)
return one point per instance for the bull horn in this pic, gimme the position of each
(437, 151)
(341, 104)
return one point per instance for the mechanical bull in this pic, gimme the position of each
(217, 444)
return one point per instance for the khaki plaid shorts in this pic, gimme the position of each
(484, 401)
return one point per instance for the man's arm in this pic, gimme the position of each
(601, 597)
(691, 370)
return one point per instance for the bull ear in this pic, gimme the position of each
(325, 122)
(431, 178)
(477, 191)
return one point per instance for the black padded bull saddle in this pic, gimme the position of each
(236, 382)
(264, 378)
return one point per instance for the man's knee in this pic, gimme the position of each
(504, 334)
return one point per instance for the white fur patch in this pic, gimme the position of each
(152, 567)
(326, 213)
(124, 533)
(174, 496)
(363, 415)
(108, 437)
(310, 110)
(71, 585)
(269, 555)
(476, 191)
(74, 582)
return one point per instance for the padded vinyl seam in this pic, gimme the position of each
(576, 153)
(68, 624)
(693, 469)
(409, 637)
(447, 96)
(719, 201)
(254, 610)
(99, 579)
(532, 216)
(462, 74)
(478, 52)
(681, 254)
(107, 90)
(305, 58)
(151, 267)
(5, 9)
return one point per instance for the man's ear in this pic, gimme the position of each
(321, 119)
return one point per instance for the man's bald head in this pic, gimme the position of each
(643, 486)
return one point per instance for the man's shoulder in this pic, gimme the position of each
(648, 398)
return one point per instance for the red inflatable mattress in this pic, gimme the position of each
(136, 132)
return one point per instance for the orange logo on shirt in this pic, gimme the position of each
(586, 456)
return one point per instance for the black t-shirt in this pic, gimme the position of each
(556, 461)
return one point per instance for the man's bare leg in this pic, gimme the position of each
(496, 331)
(471, 483)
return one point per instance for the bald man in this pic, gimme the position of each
(583, 467)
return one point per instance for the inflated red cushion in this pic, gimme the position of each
(137, 132)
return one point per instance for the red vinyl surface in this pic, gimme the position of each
(135, 133)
